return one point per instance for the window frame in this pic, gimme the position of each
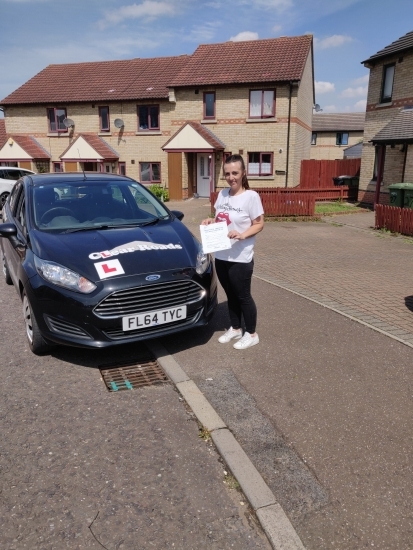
(339, 138)
(262, 116)
(383, 98)
(149, 128)
(122, 168)
(313, 138)
(209, 117)
(101, 128)
(261, 153)
(60, 165)
(151, 180)
(57, 130)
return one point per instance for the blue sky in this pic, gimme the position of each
(36, 33)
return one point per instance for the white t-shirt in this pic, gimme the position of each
(238, 211)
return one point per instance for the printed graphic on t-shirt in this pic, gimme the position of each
(223, 217)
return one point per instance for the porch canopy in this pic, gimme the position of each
(89, 148)
(193, 137)
(398, 130)
(23, 149)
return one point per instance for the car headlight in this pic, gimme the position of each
(61, 276)
(202, 261)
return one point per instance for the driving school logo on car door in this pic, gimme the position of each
(134, 246)
(109, 268)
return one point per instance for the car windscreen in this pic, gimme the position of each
(86, 206)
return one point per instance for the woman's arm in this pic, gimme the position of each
(257, 225)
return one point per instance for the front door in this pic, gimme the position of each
(203, 175)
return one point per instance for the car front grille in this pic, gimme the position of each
(63, 327)
(150, 298)
(159, 330)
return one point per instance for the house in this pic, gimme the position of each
(332, 133)
(171, 120)
(387, 154)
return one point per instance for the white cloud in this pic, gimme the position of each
(362, 79)
(323, 87)
(244, 36)
(354, 92)
(330, 109)
(146, 10)
(333, 41)
(203, 33)
(277, 28)
(361, 105)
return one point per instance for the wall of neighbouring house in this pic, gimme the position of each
(379, 115)
(326, 148)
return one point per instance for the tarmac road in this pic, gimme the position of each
(84, 468)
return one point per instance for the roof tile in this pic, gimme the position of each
(336, 122)
(403, 43)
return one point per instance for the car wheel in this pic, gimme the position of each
(3, 198)
(37, 343)
(6, 273)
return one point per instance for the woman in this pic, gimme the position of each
(242, 210)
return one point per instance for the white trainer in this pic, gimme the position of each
(231, 334)
(247, 341)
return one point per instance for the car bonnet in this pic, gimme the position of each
(111, 253)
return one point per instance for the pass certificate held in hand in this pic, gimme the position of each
(215, 237)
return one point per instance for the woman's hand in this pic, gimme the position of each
(207, 221)
(236, 235)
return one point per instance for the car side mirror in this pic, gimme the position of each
(178, 214)
(9, 231)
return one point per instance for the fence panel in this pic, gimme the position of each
(395, 219)
(316, 174)
(282, 202)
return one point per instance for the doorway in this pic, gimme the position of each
(203, 174)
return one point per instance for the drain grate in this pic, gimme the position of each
(129, 376)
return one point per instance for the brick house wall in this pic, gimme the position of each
(379, 115)
(326, 148)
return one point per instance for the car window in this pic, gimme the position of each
(21, 213)
(13, 175)
(14, 195)
(79, 206)
(1, 173)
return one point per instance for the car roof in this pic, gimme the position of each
(76, 177)
(17, 168)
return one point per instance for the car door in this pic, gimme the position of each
(15, 256)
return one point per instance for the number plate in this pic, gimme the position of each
(153, 318)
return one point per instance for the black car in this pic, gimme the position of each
(99, 261)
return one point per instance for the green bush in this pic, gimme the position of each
(159, 192)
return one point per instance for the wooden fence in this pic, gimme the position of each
(282, 202)
(395, 219)
(319, 174)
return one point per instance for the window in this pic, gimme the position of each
(104, 123)
(387, 87)
(150, 172)
(259, 164)
(209, 105)
(262, 103)
(342, 138)
(57, 167)
(148, 117)
(56, 117)
(226, 155)
(122, 168)
(314, 138)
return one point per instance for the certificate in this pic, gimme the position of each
(215, 237)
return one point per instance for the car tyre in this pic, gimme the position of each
(6, 273)
(37, 344)
(3, 198)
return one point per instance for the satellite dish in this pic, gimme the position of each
(68, 122)
(118, 122)
(317, 108)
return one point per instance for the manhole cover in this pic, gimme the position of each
(132, 375)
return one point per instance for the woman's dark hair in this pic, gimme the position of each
(238, 158)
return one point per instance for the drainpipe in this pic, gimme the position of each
(288, 132)
(405, 146)
(380, 166)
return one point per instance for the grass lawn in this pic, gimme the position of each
(325, 208)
